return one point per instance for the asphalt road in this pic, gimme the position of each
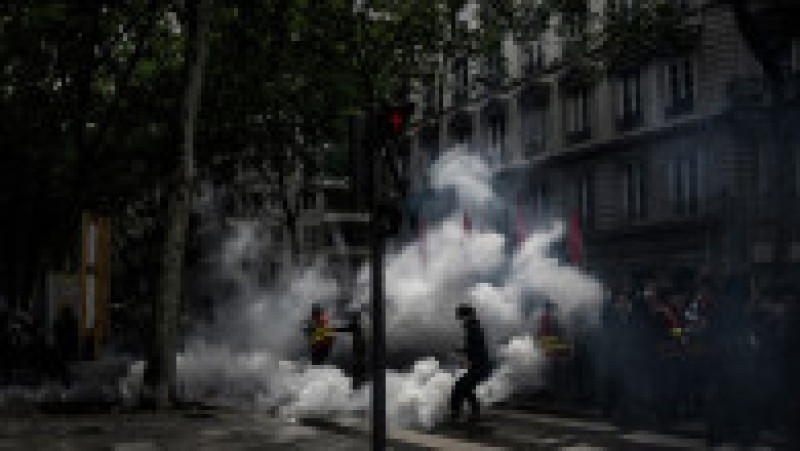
(228, 430)
(524, 430)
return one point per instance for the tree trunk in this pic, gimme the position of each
(179, 204)
(294, 242)
(288, 200)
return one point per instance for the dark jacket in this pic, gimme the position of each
(66, 333)
(475, 345)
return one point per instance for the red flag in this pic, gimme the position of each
(575, 241)
(520, 224)
(467, 222)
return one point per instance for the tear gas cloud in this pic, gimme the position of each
(253, 351)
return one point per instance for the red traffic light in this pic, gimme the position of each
(396, 119)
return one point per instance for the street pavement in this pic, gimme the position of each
(232, 430)
(167, 431)
(508, 429)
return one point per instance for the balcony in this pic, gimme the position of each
(754, 92)
(578, 136)
(534, 146)
(532, 67)
(748, 92)
(679, 107)
(629, 120)
(792, 88)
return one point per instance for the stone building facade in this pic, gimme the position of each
(670, 167)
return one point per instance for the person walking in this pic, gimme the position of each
(477, 357)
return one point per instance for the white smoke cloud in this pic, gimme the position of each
(467, 174)
(422, 291)
(425, 280)
(419, 398)
(254, 351)
(522, 368)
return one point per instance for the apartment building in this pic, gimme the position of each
(668, 166)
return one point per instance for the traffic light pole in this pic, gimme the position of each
(380, 128)
(377, 298)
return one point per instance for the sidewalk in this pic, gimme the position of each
(201, 430)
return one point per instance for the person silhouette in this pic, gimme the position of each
(477, 357)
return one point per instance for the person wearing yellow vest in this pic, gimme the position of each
(549, 333)
(321, 335)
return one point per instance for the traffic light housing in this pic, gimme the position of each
(394, 120)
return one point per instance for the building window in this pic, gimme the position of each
(629, 100)
(586, 206)
(533, 58)
(461, 76)
(576, 18)
(576, 112)
(790, 58)
(494, 69)
(533, 130)
(684, 184)
(680, 86)
(634, 191)
(497, 136)
(309, 201)
(277, 235)
(626, 5)
(354, 234)
(310, 237)
(430, 105)
(460, 129)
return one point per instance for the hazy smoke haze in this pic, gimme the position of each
(254, 352)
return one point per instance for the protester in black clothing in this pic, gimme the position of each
(66, 335)
(5, 345)
(477, 357)
(732, 367)
(792, 368)
(618, 354)
(644, 382)
(359, 348)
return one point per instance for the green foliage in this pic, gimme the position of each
(616, 40)
(651, 29)
(80, 83)
(90, 92)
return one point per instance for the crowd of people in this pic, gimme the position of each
(699, 349)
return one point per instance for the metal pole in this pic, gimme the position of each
(378, 317)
